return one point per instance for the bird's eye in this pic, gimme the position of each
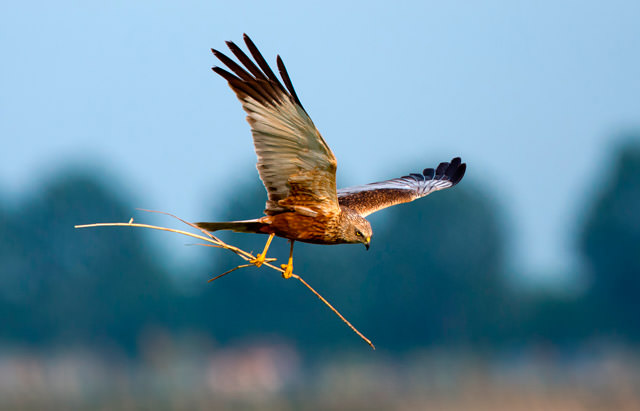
(358, 234)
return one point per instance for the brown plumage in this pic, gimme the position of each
(298, 168)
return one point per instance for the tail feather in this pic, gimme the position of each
(246, 226)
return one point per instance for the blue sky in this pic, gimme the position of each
(531, 94)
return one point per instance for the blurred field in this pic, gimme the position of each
(273, 377)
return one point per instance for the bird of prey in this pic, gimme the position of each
(298, 168)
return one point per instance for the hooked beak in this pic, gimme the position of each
(366, 245)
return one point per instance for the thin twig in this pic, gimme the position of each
(143, 226)
(213, 241)
(336, 312)
(229, 272)
(207, 245)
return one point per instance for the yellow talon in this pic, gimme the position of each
(262, 257)
(288, 270)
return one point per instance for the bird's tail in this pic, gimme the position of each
(246, 226)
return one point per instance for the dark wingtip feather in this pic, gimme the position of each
(254, 77)
(287, 80)
(262, 63)
(452, 167)
(417, 176)
(452, 171)
(233, 66)
(428, 173)
(442, 167)
(216, 52)
(457, 176)
(224, 73)
(244, 59)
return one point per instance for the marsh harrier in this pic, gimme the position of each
(298, 168)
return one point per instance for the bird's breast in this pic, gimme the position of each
(319, 229)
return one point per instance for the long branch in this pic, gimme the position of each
(210, 238)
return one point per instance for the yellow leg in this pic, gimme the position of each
(262, 257)
(288, 268)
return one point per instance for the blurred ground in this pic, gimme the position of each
(273, 377)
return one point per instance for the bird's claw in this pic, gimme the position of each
(288, 270)
(261, 259)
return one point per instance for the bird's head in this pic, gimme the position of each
(356, 229)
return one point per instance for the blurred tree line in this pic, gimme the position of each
(434, 276)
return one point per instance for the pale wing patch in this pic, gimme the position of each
(372, 197)
(292, 155)
(290, 151)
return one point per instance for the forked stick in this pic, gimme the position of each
(214, 241)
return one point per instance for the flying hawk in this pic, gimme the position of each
(298, 168)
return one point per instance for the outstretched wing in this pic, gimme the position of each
(295, 164)
(372, 197)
